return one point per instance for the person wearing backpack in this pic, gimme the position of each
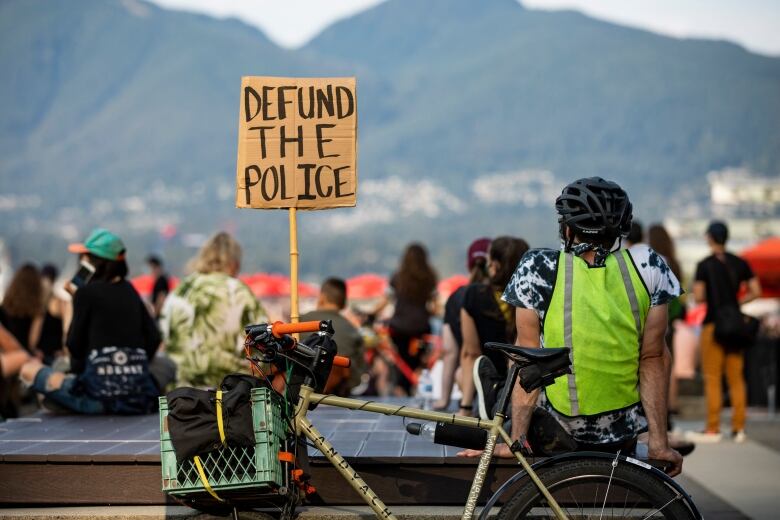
(725, 333)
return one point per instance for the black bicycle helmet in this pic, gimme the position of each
(594, 207)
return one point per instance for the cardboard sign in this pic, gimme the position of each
(297, 143)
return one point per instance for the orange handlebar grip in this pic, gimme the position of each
(286, 456)
(341, 361)
(279, 329)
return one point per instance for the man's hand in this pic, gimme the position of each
(669, 455)
(502, 451)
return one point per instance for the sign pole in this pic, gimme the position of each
(294, 266)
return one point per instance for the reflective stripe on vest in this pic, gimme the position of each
(599, 313)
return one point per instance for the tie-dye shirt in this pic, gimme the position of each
(531, 287)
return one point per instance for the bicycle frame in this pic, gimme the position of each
(494, 428)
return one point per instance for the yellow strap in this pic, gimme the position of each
(204, 479)
(220, 425)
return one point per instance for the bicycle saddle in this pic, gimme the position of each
(538, 366)
(530, 353)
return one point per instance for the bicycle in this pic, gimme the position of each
(559, 487)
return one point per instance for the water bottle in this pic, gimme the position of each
(426, 431)
(450, 434)
(425, 389)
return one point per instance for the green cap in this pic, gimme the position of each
(102, 243)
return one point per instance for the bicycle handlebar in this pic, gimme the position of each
(283, 330)
(279, 329)
(341, 361)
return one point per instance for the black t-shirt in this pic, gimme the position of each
(722, 278)
(109, 315)
(160, 287)
(452, 313)
(410, 317)
(19, 327)
(479, 301)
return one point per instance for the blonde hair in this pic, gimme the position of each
(220, 253)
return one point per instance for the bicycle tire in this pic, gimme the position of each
(573, 481)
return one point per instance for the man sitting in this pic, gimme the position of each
(609, 307)
(332, 300)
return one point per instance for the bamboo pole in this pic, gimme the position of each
(294, 313)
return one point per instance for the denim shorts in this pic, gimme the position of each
(68, 394)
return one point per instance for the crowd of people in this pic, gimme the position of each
(610, 294)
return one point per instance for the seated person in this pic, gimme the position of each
(12, 357)
(333, 300)
(111, 339)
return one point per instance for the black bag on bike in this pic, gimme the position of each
(192, 416)
(546, 436)
(543, 373)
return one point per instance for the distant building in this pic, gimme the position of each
(735, 193)
(749, 204)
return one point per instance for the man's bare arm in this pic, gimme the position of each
(523, 403)
(654, 365)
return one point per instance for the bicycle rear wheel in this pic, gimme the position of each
(592, 488)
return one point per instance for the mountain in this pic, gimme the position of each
(472, 116)
(502, 87)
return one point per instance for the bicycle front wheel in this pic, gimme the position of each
(592, 488)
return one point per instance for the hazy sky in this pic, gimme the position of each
(753, 23)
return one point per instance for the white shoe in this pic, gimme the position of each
(704, 437)
(739, 437)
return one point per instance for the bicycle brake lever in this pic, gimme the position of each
(305, 350)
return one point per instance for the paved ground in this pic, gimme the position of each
(745, 476)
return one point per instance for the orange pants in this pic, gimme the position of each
(715, 360)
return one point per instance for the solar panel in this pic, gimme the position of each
(353, 433)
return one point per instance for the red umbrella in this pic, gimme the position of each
(764, 259)
(144, 284)
(263, 285)
(272, 285)
(452, 284)
(366, 286)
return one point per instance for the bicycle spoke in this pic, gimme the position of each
(609, 483)
(576, 503)
(674, 498)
